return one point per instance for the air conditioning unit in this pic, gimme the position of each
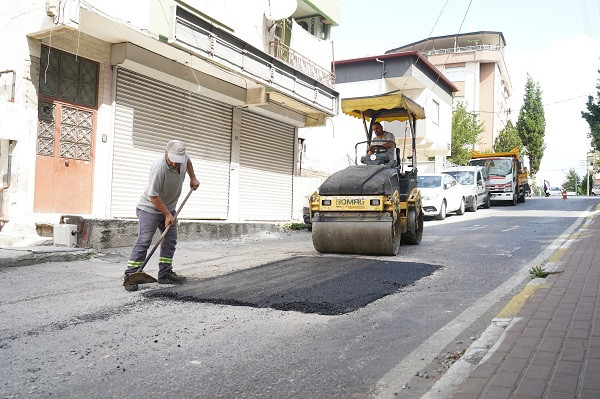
(312, 25)
(65, 235)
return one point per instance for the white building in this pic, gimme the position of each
(100, 86)
(474, 62)
(332, 147)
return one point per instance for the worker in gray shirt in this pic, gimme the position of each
(156, 208)
(385, 147)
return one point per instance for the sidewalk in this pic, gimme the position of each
(551, 348)
(25, 256)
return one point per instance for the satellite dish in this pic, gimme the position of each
(280, 9)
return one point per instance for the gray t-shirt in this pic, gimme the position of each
(165, 183)
(391, 152)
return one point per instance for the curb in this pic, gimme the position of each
(32, 256)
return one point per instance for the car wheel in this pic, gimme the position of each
(487, 203)
(473, 207)
(442, 214)
(461, 209)
(514, 200)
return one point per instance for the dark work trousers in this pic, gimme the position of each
(149, 222)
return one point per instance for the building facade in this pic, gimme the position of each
(99, 87)
(333, 147)
(474, 62)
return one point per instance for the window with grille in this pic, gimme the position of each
(69, 78)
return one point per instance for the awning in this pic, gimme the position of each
(398, 105)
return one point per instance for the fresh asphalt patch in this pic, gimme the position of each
(321, 284)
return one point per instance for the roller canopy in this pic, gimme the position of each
(395, 106)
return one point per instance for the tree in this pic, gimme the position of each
(466, 129)
(592, 117)
(583, 188)
(507, 139)
(572, 182)
(531, 124)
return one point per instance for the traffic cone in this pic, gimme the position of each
(564, 193)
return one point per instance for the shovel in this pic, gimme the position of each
(140, 277)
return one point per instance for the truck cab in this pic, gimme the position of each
(508, 177)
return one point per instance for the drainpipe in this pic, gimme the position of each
(382, 73)
(8, 174)
(79, 222)
(8, 171)
(14, 81)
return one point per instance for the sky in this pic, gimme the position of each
(556, 41)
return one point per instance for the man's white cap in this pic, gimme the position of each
(176, 151)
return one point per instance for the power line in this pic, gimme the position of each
(569, 99)
(448, 56)
(465, 17)
(438, 18)
(543, 105)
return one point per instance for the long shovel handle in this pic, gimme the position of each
(164, 233)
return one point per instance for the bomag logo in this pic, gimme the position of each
(349, 201)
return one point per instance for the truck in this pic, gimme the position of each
(508, 177)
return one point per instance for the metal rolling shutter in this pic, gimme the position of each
(266, 168)
(148, 113)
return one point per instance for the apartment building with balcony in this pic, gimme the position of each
(474, 62)
(327, 149)
(93, 90)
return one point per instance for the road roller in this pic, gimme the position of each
(373, 206)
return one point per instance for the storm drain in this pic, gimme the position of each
(322, 284)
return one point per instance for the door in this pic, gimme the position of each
(64, 163)
(481, 191)
(453, 192)
(266, 168)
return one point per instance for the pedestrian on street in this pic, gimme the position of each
(156, 208)
(546, 188)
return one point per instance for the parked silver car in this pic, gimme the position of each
(472, 179)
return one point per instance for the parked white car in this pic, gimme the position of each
(441, 194)
(475, 189)
(595, 190)
(555, 191)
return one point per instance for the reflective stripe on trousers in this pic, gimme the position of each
(148, 223)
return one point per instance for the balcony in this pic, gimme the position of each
(462, 49)
(284, 70)
(297, 61)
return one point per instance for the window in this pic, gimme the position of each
(66, 77)
(455, 74)
(435, 112)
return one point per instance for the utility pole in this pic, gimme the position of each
(590, 171)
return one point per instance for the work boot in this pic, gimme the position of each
(171, 278)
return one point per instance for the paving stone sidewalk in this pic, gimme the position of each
(551, 349)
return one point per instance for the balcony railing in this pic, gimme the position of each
(463, 49)
(193, 34)
(297, 61)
